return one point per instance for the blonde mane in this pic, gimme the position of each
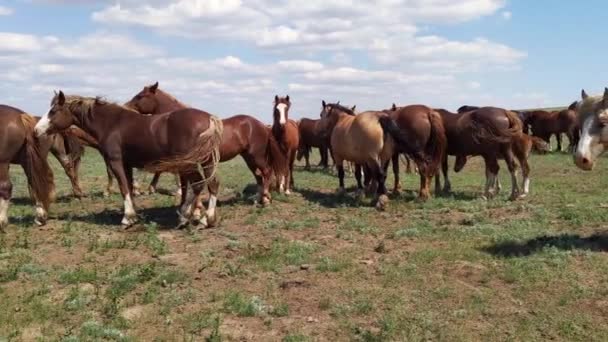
(86, 104)
(589, 107)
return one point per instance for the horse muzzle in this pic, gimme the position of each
(583, 162)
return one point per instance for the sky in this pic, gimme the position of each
(231, 57)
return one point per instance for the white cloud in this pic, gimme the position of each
(19, 43)
(5, 11)
(507, 15)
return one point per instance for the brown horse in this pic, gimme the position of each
(487, 132)
(286, 133)
(544, 124)
(243, 135)
(177, 142)
(522, 145)
(18, 145)
(423, 127)
(309, 138)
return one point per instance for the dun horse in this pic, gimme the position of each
(177, 142)
(487, 132)
(18, 145)
(242, 135)
(592, 113)
(286, 133)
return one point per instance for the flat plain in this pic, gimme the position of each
(314, 266)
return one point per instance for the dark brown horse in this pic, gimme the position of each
(544, 124)
(182, 141)
(286, 133)
(243, 135)
(310, 137)
(18, 145)
(424, 129)
(487, 132)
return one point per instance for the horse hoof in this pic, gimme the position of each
(287, 192)
(211, 221)
(382, 203)
(151, 190)
(128, 221)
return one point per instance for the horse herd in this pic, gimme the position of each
(155, 132)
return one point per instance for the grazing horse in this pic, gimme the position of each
(286, 133)
(179, 142)
(18, 145)
(592, 113)
(487, 132)
(242, 135)
(423, 127)
(544, 124)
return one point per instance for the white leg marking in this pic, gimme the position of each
(3, 213)
(526, 185)
(282, 184)
(41, 215)
(211, 207)
(130, 216)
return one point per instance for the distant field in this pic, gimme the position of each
(315, 266)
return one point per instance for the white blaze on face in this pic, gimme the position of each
(282, 108)
(590, 145)
(43, 125)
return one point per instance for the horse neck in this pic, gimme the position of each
(99, 121)
(167, 103)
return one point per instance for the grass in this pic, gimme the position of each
(314, 266)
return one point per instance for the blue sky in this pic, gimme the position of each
(233, 56)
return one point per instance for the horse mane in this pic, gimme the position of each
(171, 97)
(588, 106)
(85, 104)
(341, 108)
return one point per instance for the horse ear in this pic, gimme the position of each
(338, 102)
(394, 107)
(323, 103)
(154, 87)
(354, 107)
(276, 99)
(287, 98)
(584, 94)
(61, 98)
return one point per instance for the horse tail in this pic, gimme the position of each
(275, 156)
(436, 145)
(412, 149)
(36, 165)
(486, 130)
(206, 150)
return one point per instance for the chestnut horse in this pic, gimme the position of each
(177, 142)
(18, 145)
(544, 124)
(243, 135)
(286, 133)
(423, 127)
(487, 132)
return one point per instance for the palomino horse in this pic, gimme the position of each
(423, 127)
(177, 142)
(544, 124)
(286, 133)
(243, 135)
(368, 139)
(18, 145)
(592, 115)
(487, 132)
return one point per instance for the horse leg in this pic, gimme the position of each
(69, 167)
(183, 213)
(447, 186)
(6, 191)
(340, 167)
(290, 183)
(492, 169)
(108, 191)
(124, 177)
(425, 187)
(213, 185)
(512, 166)
(197, 183)
(324, 158)
(395, 160)
(154, 183)
(558, 136)
(380, 177)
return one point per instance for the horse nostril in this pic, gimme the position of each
(585, 161)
